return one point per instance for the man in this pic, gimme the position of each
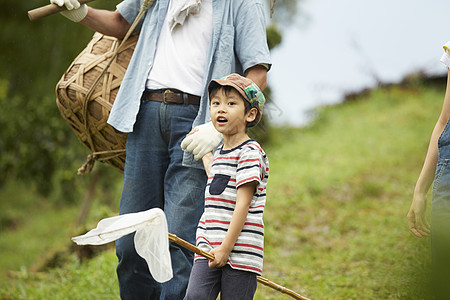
(183, 44)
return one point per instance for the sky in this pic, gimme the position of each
(340, 46)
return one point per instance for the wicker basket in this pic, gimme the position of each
(87, 117)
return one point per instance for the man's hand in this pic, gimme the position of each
(201, 140)
(416, 216)
(75, 11)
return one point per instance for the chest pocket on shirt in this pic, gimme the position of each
(218, 184)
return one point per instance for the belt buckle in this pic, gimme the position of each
(164, 95)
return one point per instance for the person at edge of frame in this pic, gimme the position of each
(436, 171)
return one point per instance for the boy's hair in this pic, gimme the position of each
(226, 90)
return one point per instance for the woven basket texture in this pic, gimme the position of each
(88, 117)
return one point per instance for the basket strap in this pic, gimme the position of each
(92, 157)
(101, 156)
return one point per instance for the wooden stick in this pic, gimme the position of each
(48, 10)
(262, 280)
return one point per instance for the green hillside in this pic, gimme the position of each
(335, 218)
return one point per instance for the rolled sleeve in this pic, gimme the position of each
(129, 9)
(251, 38)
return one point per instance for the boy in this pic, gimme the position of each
(232, 225)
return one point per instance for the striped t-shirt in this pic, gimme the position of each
(230, 169)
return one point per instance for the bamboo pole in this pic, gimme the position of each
(262, 280)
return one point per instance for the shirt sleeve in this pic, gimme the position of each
(250, 35)
(250, 168)
(129, 9)
(445, 58)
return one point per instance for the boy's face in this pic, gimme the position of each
(228, 112)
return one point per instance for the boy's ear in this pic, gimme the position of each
(251, 115)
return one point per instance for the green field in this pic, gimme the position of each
(339, 191)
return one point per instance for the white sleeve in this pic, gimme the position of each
(445, 58)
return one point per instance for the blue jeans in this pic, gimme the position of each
(206, 283)
(440, 219)
(154, 177)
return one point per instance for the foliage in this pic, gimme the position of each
(338, 195)
(286, 11)
(274, 37)
(35, 142)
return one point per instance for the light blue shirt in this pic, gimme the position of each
(238, 42)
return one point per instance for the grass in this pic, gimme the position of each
(91, 280)
(30, 227)
(336, 228)
(340, 194)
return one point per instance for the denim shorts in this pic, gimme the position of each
(440, 218)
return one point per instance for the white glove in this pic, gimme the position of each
(445, 59)
(203, 140)
(75, 11)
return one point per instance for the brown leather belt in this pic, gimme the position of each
(169, 96)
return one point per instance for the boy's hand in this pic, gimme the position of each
(203, 139)
(220, 257)
(75, 11)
